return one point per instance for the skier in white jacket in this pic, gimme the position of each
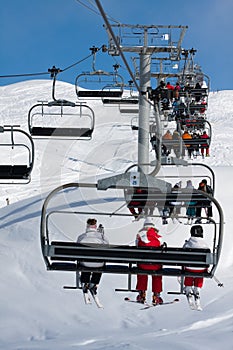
(90, 280)
(194, 284)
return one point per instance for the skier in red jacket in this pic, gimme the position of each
(148, 237)
(205, 146)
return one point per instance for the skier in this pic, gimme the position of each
(90, 280)
(206, 145)
(191, 210)
(205, 203)
(138, 201)
(194, 284)
(148, 237)
(186, 136)
(175, 206)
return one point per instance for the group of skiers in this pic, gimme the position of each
(172, 141)
(140, 204)
(148, 236)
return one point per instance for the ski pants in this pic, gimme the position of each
(156, 283)
(194, 281)
(90, 277)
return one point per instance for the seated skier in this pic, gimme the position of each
(91, 280)
(148, 237)
(194, 284)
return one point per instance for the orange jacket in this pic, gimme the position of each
(186, 136)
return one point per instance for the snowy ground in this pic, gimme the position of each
(36, 312)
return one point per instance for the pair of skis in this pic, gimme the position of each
(147, 305)
(194, 303)
(87, 298)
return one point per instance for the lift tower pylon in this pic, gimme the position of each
(145, 41)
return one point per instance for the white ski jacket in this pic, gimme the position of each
(195, 242)
(92, 236)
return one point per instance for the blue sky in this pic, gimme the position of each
(35, 35)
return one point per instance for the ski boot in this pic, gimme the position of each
(85, 287)
(189, 296)
(93, 288)
(198, 221)
(156, 299)
(141, 297)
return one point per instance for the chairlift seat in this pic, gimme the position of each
(61, 132)
(99, 93)
(124, 101)
(204, 143)
(14, 171)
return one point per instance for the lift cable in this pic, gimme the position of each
(116, 43)
(94, 9)
(22, 75)
(48, 72)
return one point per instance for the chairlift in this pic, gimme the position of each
(61, 119)
(127, 104)
(66, 255)
(110, 85)
(18, 150)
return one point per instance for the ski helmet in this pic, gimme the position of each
(196, 231)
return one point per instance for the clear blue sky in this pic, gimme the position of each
(37, 34)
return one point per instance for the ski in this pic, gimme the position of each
(164, 303)
(191, 302)
(89, 292)
(87, 298)
(135, 301)
(194, 303)
(146, 305)
(96, 299)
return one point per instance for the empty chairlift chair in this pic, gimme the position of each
(18, 155)
(61, 119)
(107, 84)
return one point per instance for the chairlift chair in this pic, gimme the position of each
(66, 255)
(128, 103)
(110, 85)
(16, 144)
(61, 119)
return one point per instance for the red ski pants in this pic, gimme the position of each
(156, 283)
(193, 281)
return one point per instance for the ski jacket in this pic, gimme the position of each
(92, 236)
(205, 188)
(206, 137)
(167, 136)
(186, 136)
(170, 87)
(195, 242)
(148, 237)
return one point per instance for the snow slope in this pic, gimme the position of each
(36, 312)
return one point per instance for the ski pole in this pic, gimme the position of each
(220, 284)
(118, 209)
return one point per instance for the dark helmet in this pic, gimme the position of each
(196, 231)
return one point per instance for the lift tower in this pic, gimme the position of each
(145, 41)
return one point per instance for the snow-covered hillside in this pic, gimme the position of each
(36, 312)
